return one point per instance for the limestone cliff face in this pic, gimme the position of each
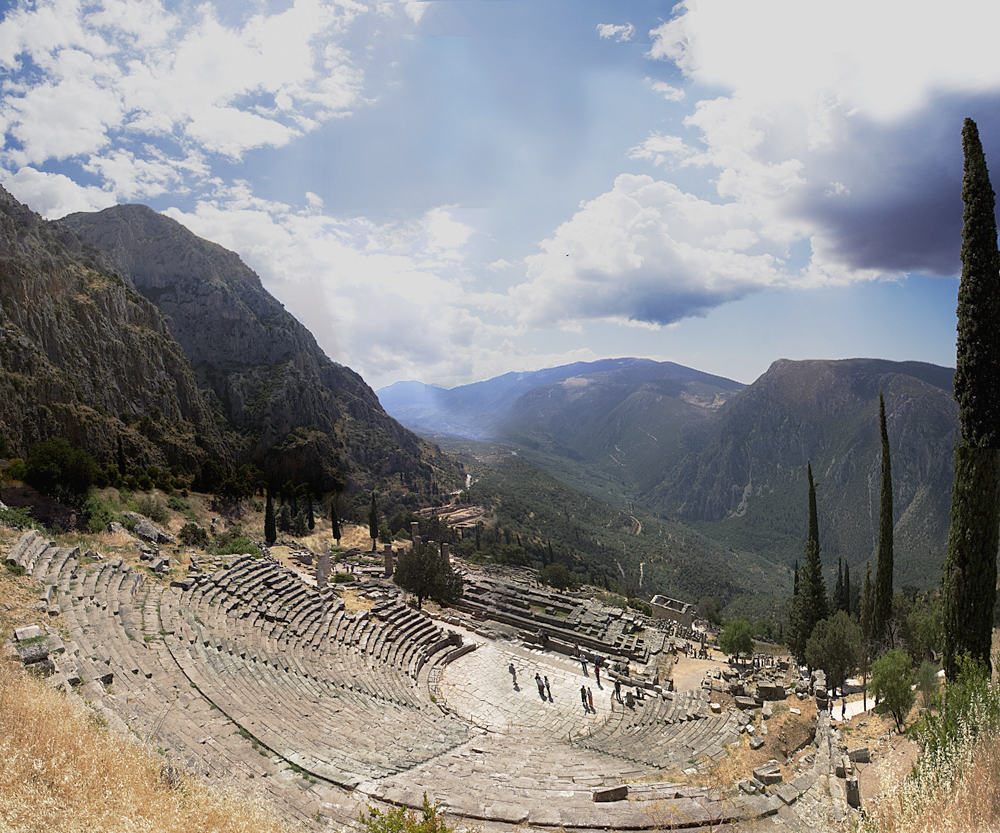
(305, 417)
(84, 356)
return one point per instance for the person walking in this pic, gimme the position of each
(597, 674)
(513, 673)
(540, 684)
(547, 689)
(590, 699)
(618, 690)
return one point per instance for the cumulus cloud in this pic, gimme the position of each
(645, 252)
(54, 195)
(620, 33)
(390, 300)
(669, 92)
(165, 87)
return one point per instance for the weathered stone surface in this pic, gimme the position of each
(619, 793)
(853, 792)
(859, 755)
(787, 793)
(27, 632)
(757, 742)
(31, 652)
(768, 774)
(745, 703)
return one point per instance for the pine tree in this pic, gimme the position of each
(334, 521)
(970, 566)
(810, 603)
(373, 521)
(838, 588)
(795, 579)
(270, 530)
(310, 517)
(883, 569)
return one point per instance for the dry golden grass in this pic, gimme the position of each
(59, 771)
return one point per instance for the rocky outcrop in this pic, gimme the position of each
(305, 417)
(85, 357)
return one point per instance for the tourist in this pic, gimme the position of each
(590, 699)
(583, 697)
(513, 673)
(618, 690)
(547, 689)
(597, 674)
(540, 684)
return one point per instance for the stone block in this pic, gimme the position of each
(787, 793)
(603, 794)
(745, 703)
(32, 652)
(853, 793)
(27, 632)
(859, 755)
(757, 742)
(768, 774)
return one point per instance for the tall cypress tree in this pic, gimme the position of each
(373, 521)
(334, 520)
(867, 606)
(883, 569)
(838, 588)
(970, 567)
(810, 604)
(270, 528)
(847, 588)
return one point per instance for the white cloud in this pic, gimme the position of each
(391, 301)
(54, 195)
(620, 33)
(414, 10)
(647, 252)
(115, 71)
(670, 93)
(658, 148)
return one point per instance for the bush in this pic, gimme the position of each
(192, 535)
(100, 513)
(177, 504)
(16, 470)
(17, 518)
(152, 508)
(402, 820)
(233, 542)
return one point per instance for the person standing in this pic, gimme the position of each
(590, 699)
(583, 697)
(540, 684)
(547, 689)
(513, 673)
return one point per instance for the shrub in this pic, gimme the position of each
(16, 470)
(558, 575)
(177, 504)
(152, 508)
(192, 535)
(892, 681)
(402, 820)
(100, 513)
(17, 518)
(233, 542)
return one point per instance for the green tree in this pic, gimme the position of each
(977, 366)
(838, 588)
(970, 567)
(270, 529)
(892, 682)
(334, 520)
(373, 521)
(558, 575)
(847, 588)
(401, 820)
(927, 682)
(424, 572)
(883, 570)
(736, 638)
(867, 625)
(809, 605)
(835, 646)
(59, 469)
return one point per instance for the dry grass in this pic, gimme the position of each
(60, 771)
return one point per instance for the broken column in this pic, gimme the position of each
(322, 570)
(445, 552)
(414, 532)
(388, 559)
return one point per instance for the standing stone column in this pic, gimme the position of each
(445, 551)
(388, 559)
(415, 532)
(322, 570)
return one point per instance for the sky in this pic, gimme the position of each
(450, 190)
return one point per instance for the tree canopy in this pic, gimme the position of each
(835, 646)
(892, 682)
(426, 573)
(736, 637)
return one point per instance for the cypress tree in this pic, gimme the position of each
(847, 588)
(810, 604)
(867, 606)
(373, 521)
(883, 569)
(310, 517)
(970, 566)
(977, 364)
(334, 521)
(270, 529)
(795, 579)
(838, 588)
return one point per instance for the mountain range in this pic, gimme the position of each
(122, 329)
(727, 459)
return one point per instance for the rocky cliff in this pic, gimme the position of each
(304, 417)
(86, 357)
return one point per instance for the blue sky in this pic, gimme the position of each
(446, 191)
